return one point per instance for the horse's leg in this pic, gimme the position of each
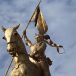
(19, 70)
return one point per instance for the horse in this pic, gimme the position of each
(23, 66)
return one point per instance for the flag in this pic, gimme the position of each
(39, 20)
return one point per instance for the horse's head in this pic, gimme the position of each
(13, 39)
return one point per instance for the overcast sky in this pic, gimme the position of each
(60, 16)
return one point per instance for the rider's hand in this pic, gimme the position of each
(24, 34)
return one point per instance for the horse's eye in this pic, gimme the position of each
(4, 38)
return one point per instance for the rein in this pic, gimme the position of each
(8, 67)
(11, 60)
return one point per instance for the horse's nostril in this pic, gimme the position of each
(12, 52)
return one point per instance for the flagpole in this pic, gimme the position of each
(31, 17)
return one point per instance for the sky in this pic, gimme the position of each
(60, 16)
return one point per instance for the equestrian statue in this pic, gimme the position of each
(35, 63)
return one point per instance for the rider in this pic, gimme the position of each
(38, 51)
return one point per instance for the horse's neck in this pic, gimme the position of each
(21, 46)
(22, 55)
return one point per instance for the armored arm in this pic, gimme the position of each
(28, 42)
(51, 43)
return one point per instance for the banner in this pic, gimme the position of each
(39, 20)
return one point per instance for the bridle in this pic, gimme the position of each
(12, 42)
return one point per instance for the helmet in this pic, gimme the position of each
(46, 37)
(39, 37)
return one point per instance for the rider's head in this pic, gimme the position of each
(39, 38)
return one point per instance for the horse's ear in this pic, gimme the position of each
(3, 29)
(16, 27)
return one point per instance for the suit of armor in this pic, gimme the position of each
(37, 52)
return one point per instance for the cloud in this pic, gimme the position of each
(60, 16)
(66, 65)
